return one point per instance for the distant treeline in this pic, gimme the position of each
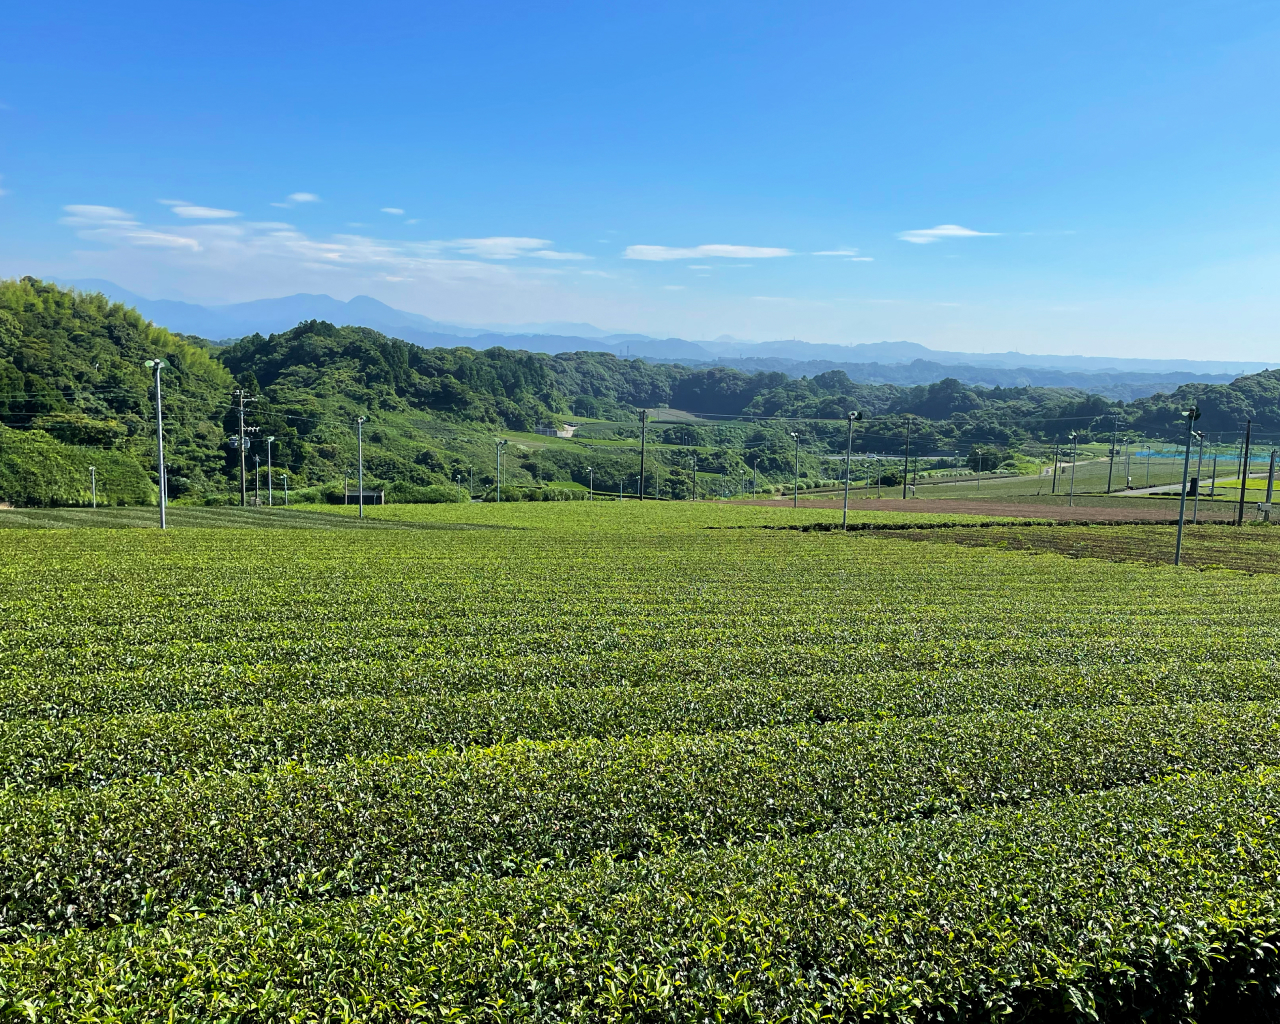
(71, 373)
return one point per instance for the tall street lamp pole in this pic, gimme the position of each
(271, 500)
(644, 422)
(1191, 415)
(1244, 468)
(1115, 437)
(1195, 506)
(795, 490)
(157, 365)
(1075, 448)
(906, 459)
(848, 456)
(360, 460)
(497, 469)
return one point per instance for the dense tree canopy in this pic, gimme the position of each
(71, 369)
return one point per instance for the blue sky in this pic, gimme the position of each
(1097, 178)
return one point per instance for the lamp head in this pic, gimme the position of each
(854, 416)
(270, 439)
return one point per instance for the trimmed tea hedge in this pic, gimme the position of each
(128, 851)
(92, 751)
(1156, 903)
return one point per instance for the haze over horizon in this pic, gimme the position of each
(1086, 181)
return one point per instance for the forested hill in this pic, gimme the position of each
(74, 393)
(72, 381)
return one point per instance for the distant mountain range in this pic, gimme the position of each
(897, 362)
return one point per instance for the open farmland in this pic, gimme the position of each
(598, 761)
(1253, 548)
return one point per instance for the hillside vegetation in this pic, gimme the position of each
(74, 393)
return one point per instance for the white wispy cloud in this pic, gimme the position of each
(202, 212)
(849, 255)
(111, 224)
(294, 198)
(700, 266)
(926, 236)
(507, 247)
(393, 209)
(236, 248)
(673, 287)
(80, 215)
(696, 252)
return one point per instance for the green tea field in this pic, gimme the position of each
(632, 762)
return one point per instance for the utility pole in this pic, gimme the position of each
(848, 456)
(795, 490)
(1244, 469)
(157, 365)
(471, 484)
(644, 421)
(1053, 486)
(257, 479)
(1075, 447)
(906, 458)
(271, 501)
(978, 452)
(1148, 465)
(93, 484)
(755, 490)
(1192, 415)
(1213, 477)
(242, 396)
(695, 476)
(360, 461)
(285, 477)
(1115, 437)
(497, 470)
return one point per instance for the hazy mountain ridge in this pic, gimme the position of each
(1123, 386)
(268, 316)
